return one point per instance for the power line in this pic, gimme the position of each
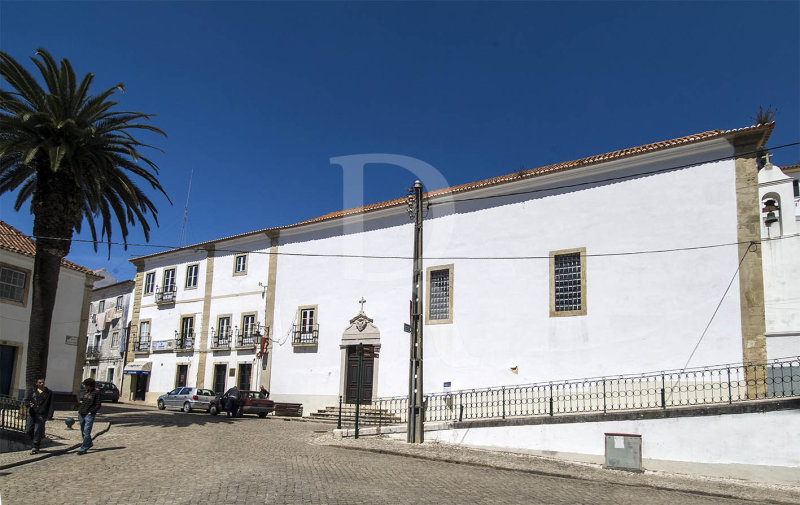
(395, 257)
(738, 267)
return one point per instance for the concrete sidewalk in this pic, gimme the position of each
(758, 486)
(58, 440)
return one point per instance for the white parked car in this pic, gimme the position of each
(186, 399)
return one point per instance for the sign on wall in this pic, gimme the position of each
(159, 345)
(71, 340)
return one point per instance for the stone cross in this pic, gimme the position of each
(362, 302)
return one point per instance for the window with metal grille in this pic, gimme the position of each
(567, 275)
(12, 285)
(440, 295)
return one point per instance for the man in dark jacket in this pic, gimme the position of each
(232, 401)
(87, 409)
(39, 406)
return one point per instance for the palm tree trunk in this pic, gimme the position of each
(56, 214)
(46, 267)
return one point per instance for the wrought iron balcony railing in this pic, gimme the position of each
(166, 294)
(142, 344)
(221, 339)
(184, 341)
(92, 352)
(248, 338)
(305, 335)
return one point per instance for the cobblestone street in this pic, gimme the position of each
(155, 457)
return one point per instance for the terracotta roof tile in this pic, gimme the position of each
(766, 130)
(11, 239)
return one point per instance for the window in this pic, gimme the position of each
(110, 375)
(169, 279)
(240, 264)
(222, 337)
(118, 305)
(115, 339)
(248, 330)
(143, 342)
(93, 373)
(440, 295)
(191, 276)
(187, 333)
(12, 284)
(306, 331)
(101, 306)
(180, 376)
(149, 283)
(568, 282)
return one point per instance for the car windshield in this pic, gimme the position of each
(174, 391)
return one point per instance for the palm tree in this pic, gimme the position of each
(72, 156)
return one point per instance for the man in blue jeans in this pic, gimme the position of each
(89, 405)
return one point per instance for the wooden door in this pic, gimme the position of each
(351, 381)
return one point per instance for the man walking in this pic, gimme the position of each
(89, 405)
(39, 405)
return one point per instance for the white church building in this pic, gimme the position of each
(673, 254)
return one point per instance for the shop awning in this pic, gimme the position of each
(138, 368)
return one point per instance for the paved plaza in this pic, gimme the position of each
(163, 457)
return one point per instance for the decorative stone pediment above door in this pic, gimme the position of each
(362, 330)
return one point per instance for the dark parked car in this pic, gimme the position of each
(250, 402)
(108, 391)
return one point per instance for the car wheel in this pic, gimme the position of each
(115, 400)
(161, 405)
(262, 415)
(213, 410)
(187, 407)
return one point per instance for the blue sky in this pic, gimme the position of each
(257, 97)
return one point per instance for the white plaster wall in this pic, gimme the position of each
(312, 375)
(67, 313)
(645, 312)
(755, 439)
(780, 256)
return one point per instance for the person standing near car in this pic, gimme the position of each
(232, 402)
(89, 405)
(39, 408)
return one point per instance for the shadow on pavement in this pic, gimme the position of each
(122, 415)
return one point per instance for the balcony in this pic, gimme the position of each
(221, 339)
(166, 294)
(184, 341)
(305, 335)
(142, 344)
(248, 339)
(92, 352)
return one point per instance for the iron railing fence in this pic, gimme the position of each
(142, 344)
(12, 414)
(725, 384)
(166, 294)
(221, 339)
(247, 338)
(92, 352)
(305, 335)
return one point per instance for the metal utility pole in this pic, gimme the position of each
(415, 393)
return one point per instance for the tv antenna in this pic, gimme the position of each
(182, 238)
